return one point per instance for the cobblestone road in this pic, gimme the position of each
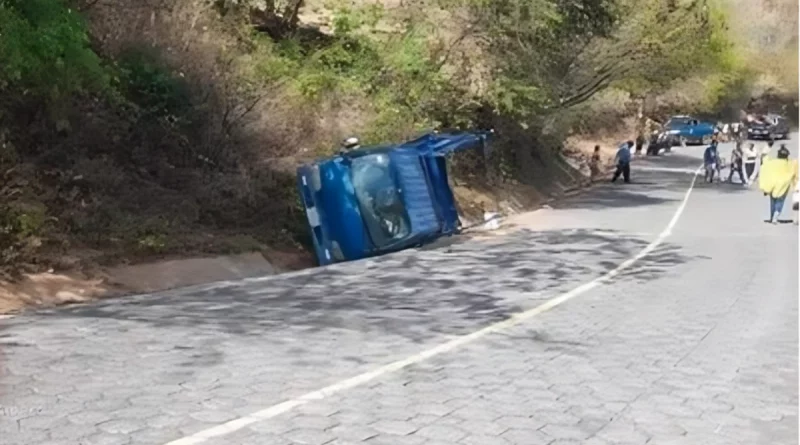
(695, 343)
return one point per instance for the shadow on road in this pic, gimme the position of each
(415, 294)
(654, 181)
(612, 196)
(418, 294)
(672, 161)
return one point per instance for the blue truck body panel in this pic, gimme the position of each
(692, 130)
(378, 200)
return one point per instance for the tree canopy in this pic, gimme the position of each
(552, 54)
(44, 48)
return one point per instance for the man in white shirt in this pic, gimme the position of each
(750, 159)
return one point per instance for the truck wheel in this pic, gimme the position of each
(706, 140)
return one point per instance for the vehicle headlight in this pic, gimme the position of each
(674, 132)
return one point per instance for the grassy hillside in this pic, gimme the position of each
(135, 129)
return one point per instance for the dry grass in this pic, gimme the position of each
(170, 208)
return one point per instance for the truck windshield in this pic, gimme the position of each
(677, 122)
(379, 199)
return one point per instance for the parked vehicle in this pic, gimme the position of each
(660, 140)
(689, 130)
(376, 200)
(769, 127)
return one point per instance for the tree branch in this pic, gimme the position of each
(291, 15)
(601, 82)
(467, 32)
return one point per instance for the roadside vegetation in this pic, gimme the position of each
(132, 130)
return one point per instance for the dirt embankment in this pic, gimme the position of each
(474, 196)
(193, 179)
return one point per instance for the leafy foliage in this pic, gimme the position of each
(147, 83)
(398, 75)
(165, 157)
(278, 18)
(44, 46)
(552, 54)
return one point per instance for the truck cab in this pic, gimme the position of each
(376, 200)
(689, 129)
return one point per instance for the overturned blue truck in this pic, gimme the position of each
(376, 200)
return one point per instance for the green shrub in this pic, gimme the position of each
(22, 223)
(153, 243)
(44, 48)
(150, 85)
(398, 76)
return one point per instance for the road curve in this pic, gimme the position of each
(659, 312)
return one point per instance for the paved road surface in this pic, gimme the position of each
(693, 343)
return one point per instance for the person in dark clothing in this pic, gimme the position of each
(594, 164)
(640, 140)
(736, 164)
(623, 161)
(711, 162)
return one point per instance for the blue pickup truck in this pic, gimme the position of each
(376, 200)
(689, 129)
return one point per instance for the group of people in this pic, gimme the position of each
(735, 131)
(744, 162)
(777, 177)
(622, 162)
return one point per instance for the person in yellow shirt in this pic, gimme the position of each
(796, 203)
(777, 179)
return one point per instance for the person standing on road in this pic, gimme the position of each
(594, 164)
(640, 140)
(711, 161)
(766, 150)
(796, 201)
(777, 178)
(750, 158)
(736, 164)
(736, 134)
(623, 162)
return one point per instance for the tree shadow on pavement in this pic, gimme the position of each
(609, 197)
(650, 188)
(416, 294)
(675, 159)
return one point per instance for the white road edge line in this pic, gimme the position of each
(283, 407)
